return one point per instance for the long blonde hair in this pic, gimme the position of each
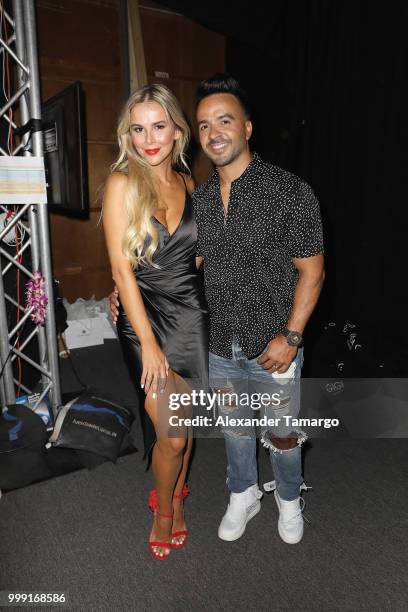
(141, 197)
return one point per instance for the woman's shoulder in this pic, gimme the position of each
(117, 180)
(115, 190)
(189, 181)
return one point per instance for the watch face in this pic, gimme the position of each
(294, 338)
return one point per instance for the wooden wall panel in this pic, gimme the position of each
(189, 53)
(102, 154)
(180, 46)
(79, 41)
(86, 266)
(102, 106)
(79, 37)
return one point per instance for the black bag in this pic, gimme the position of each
(23, 436)
(92, 423)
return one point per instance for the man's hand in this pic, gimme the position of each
(114, 304)
(278, 356)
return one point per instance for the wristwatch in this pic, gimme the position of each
(293, 338)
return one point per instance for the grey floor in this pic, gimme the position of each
(85, 533)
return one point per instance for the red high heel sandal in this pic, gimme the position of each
(183, 532)
(167, 545)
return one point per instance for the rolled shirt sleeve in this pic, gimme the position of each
(304, 223)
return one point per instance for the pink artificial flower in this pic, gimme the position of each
(36, 298)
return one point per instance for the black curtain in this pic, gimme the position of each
(330, 98)
(328, 86)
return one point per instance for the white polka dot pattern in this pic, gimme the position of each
(250, 279)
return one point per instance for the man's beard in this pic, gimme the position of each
(234, 153)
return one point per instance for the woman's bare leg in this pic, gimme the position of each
(167, 463)
(179, 523)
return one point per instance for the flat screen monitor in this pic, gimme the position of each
(65, 157)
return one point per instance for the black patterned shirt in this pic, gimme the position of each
(250, 279)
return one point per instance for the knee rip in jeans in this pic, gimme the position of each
(267, 440)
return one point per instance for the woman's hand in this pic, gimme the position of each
(155, 368)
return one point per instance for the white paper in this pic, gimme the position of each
(104, 327)
(22, 180)
(82, 333)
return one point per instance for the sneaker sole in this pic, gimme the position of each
(236, 536)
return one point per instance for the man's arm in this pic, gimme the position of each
(279, 355)
(308, 288)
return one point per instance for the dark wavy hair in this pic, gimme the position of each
(223, 83)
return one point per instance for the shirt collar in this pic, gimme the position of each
(254, 165)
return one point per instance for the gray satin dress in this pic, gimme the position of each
(173, 296)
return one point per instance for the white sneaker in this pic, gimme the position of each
(290, 523)
(242, 507)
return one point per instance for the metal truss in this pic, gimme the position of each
(27, 222)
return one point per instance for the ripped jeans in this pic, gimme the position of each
(239, 382)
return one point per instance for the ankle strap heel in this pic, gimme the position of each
(153, 505)
(183, 494)
(155, 544)
(183, 534)
(161, 515)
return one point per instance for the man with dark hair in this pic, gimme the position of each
(223, 83)
(260, 237)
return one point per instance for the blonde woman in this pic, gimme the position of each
(151, 234)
